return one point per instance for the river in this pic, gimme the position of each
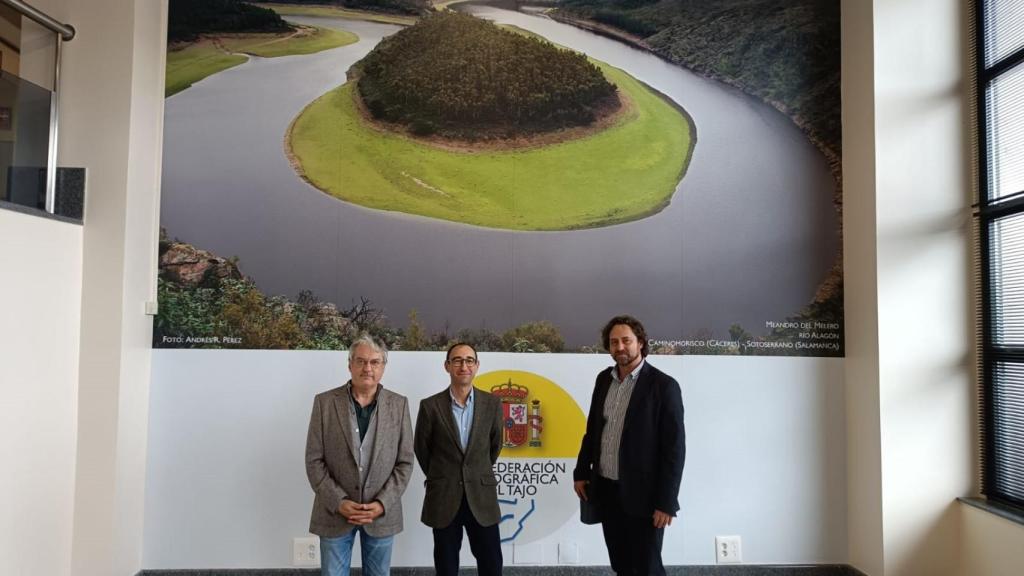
(749, 235)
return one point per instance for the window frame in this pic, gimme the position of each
(988, 212)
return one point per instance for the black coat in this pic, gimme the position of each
(653, 445)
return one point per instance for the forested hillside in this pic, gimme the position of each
(397, 6)
(187, 19)
(464, 77)
(785, 51)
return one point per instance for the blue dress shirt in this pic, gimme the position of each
(463, 416)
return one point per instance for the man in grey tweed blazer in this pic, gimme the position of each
(359, 454)
(458, 439)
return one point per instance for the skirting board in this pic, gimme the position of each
(709, 570)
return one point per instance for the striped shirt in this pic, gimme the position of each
(615, 404)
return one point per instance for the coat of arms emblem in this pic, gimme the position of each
(522, 422)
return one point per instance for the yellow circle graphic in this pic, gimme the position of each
(542, 419)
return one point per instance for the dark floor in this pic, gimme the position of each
(712, 570)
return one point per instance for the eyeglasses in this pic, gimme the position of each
(363, 362)
(459, 361)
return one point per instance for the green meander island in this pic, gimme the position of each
(511, 135)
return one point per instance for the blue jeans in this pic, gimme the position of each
(336, 554)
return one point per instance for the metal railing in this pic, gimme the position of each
(64, 33)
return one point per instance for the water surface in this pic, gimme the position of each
(748, 236)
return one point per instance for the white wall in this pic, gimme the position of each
(922, 203)
(40, 292)
(863, 442)
(908, 320)
(74, 323)
(226, 485)
(990, 545)
(112, 103)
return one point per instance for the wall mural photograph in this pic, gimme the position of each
(505, 173)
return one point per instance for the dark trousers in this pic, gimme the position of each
(634, 544)
(484, 541)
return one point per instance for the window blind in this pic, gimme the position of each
(999, 62)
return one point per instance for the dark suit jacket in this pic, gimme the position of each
(653, 445)
(332, 463)
(449, 471)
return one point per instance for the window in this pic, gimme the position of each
(1000, 219)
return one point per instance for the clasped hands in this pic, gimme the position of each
(661, 519)
(360, 514)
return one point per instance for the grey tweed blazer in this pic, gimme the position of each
(332, 461)
(451, 472)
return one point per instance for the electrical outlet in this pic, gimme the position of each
(305, 551)
(568, 552)
(727, 550)
(532, 553)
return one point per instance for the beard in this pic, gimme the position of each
(625, 359)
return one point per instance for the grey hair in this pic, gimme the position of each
(373, 343)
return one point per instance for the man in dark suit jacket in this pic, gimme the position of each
(457, 442)
(631, 460)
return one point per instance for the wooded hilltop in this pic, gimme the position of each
(463, 77)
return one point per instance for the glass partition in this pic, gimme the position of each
(27, 67)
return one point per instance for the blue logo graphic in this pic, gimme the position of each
(522, 519)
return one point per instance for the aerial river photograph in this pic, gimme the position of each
(504, 173)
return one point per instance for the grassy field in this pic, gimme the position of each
(444, 4)
(320, 39)
(195, 62)
(625, 172)
(211, 55)
(338, 12)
